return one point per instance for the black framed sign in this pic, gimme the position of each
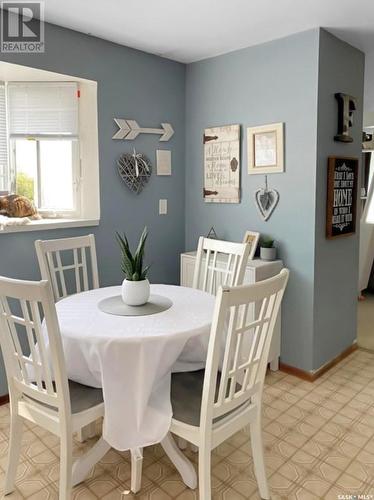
(342, 180)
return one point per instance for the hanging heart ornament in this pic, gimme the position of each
(266, 200)
(135, 170)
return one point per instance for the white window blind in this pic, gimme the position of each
(42, 109)
(3, 141)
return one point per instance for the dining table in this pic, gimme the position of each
(131, 357)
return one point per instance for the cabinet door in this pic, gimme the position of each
(187, 270)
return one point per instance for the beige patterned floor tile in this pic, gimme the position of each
(238, 439)
(225, 471)
(228, 494)
(314, 484)
(350, 483)
(281, 485)
(277, 429)
(292, 471)
(301, 494)
(47, 493)
(314, 448)
(333, 494)
(158, 471)
(326, 471)
(244, 484)
(295, 438)
(356, 439)
(359, 471)
(277, 454)
(240, 460)
(101, 485)
(337, 459)
(188, 495)
(81, 492)
(174, 485)
(31, 484)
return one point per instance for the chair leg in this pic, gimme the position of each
(204, 473)
(258, 456)
(136, 469)
(66, 466)
(16, 425)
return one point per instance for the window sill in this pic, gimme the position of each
(44, 224)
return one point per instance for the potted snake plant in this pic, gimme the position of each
(135, 286)
(267, 249)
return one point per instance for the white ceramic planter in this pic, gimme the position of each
(135, 293)
(268, 253)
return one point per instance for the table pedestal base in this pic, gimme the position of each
(84, 464)
(181, 462)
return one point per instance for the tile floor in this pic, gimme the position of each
(319, 441)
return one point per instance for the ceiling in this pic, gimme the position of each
(190, 30)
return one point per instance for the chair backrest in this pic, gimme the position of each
(51, 254)
(219, 263)
(32, 350)
(244, 364)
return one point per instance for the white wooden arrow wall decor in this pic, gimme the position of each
(129, 130)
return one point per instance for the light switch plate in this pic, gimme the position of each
(163, 207)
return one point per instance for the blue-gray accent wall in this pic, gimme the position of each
(131, 84)
(273, 82)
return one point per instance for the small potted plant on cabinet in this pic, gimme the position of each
(135, 286)
(267, 249)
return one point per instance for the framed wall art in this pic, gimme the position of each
(252, 238)
(265, 149)
(342, 181)
(222, 164)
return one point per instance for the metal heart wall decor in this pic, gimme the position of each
(266, 200)
(135, 170)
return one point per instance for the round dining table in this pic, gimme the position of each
(131, 358)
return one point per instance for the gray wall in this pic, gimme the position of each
(341, 69)
(274, 82)
(131, 84)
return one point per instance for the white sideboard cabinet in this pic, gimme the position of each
(256, 270)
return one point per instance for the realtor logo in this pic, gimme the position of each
(22, 27)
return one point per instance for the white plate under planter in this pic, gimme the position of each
(268, 253)
(135, 293)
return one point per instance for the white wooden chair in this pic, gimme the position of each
(53, 268)
(219, 263)
(211, 405)
(39, 389)
(51, 254)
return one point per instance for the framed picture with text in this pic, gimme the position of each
(342, 181)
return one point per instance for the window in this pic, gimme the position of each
(43, 139)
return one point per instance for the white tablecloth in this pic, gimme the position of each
(131, 358)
